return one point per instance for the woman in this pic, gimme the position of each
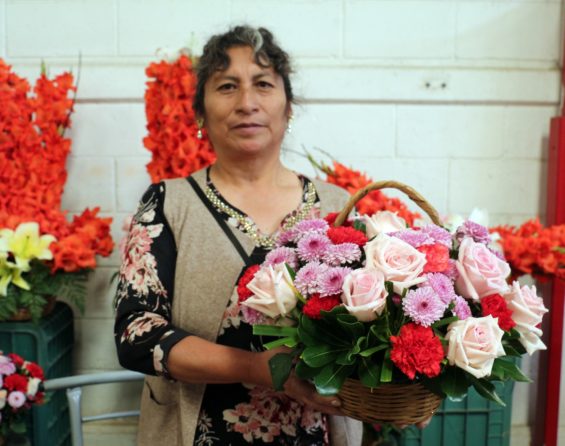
(189, 243)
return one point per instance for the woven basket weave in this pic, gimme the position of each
(400, 404)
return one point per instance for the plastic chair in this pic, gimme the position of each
(73, 386)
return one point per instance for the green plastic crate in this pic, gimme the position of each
(50, 344)
(474, 421)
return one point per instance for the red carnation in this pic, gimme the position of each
(16, 359)
(243, 292)
(15, 382)
(495, 305)
(331, 217)
(344, 234)
(34, 370)
(417, 349)
(437, 258)
(316, 304)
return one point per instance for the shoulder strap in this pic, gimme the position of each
(221, 222)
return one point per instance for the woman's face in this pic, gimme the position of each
(246, 111)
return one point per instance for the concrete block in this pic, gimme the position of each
(304, 28)
(399, 29)
(90, 183)
(108, 129)
(500, 186)
(526, 131)
(101, 290)
(132, 181)
(116, 228)
(55, 28)
(94, 345)
(146, 26)
(508, 30)
(345, 130)
(3, 28)
(432, 131)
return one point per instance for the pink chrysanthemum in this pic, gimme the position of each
(307, 277)
(437, 235)
(442, 285)
(314, 225)
(252, 316)
(331, 280)
(413, 237)
(474, 230)
(452, 271)
(282, 255)
(312, 246)
(423, 305)
(16, 399)
(461, 309)
(286, 237)
(340, 254)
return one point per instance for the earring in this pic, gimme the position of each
(289, 123)
(200, 124)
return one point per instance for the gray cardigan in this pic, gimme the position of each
(206, 271)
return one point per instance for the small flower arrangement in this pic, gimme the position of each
(20, 388)
(379, 302)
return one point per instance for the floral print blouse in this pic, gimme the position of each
(231, 414)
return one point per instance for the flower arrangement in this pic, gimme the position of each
(382, 303)
(20, 382)
(171, 124)
(534, 249)
(33, 153)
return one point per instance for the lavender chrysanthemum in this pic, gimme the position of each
(442, 285)
(314, 225)
(282, 255)
(286, 237)
(341, 254)
(438, 235)
(331, 280)
(461, 309)
(474, 230)
(423, 305)
(313, 246)
(307, 277)
(252, 316)
(16, 399)
(452, 271)
(413, 237)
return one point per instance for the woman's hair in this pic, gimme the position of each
(215, 58)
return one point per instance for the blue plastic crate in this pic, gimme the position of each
(50, 344)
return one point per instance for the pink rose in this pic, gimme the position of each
(273, 292)
(481, 272)
(527, 311)
(474, 344)
(383, 221)
(400, 263)
(364, 293)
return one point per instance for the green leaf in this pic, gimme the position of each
(360, 226)
(348, 357)
(291, 271)
(373, 350)
(331, 378)
(504, 370)
(513, 347)
(273, 330)
(445, 321)
(19, 427)
(290, 341)
(304, 371)
(386, 370)
(369, 373)
(455, 382)
(280, 366)
(313, 332)
(487, 390)
(321, 354)
(354, 328)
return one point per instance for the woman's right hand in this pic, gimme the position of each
(304, 392)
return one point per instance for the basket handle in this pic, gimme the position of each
(411, 192)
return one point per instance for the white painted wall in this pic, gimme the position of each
(453, 97)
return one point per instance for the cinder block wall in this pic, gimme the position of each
(452, 97)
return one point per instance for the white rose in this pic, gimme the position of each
(527, 311)
(401, 263)
(474, 344)
(32, 386)
(383, 221)
(364, 293)
(273, 293)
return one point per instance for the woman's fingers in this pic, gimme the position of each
(305, 393)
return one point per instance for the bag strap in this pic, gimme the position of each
(221, 222)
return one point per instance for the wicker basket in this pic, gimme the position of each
(400, 404)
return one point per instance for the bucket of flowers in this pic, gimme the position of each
(391, 318)
(20, 389)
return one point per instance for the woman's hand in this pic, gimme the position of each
(305, 393)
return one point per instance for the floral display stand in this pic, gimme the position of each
(49, 343)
